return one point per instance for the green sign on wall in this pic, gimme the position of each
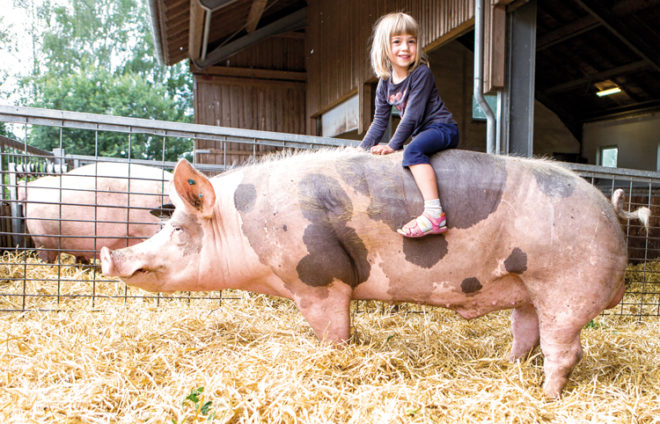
(479, 114)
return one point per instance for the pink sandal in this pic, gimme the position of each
(413, 229)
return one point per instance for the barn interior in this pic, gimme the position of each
(581, 48)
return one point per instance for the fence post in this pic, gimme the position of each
(59, 159)
(16, 210)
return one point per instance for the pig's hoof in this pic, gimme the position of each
(551, 391)
(517, 353)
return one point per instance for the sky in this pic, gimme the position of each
(15, 20)
(18, 59)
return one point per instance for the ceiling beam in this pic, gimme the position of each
(295, 21)
(643, 44)
(599, 76)
(195, 30)
(567, 32)
(256, 10)
(587, 23)
(215, 4)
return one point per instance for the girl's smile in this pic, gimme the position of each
(403, 49)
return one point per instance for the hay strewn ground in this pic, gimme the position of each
(258, 361)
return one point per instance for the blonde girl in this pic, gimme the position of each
(407, 83)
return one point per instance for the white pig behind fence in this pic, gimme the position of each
(102, 204)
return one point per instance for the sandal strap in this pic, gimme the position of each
(417, 227)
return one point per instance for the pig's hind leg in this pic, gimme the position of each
(561, 351)
(525, 329)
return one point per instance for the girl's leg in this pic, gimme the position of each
(425, 178)
(416, 157)
(432, 220)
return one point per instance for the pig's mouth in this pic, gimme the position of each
(141, 272)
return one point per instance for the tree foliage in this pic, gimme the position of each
(97, 57)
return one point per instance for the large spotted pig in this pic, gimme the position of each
(320, 229)
(103, 204)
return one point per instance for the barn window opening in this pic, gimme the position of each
(609, 156)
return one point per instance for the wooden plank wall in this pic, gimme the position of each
(260, 88)
(338, 46)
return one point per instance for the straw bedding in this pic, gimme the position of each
(258, 361)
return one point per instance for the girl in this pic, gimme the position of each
(408, 85)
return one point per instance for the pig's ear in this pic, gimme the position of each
(194, 189)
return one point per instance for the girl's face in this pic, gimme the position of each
(404, 52)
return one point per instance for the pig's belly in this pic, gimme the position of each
(469, 301)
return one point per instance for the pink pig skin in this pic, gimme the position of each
(319, 228)
(94, 206)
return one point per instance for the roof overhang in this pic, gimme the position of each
(208, 31)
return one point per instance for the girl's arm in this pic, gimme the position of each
(381, 118)
(421, 88)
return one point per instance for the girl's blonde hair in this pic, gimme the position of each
(387, 26)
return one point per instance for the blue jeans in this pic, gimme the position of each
(432, 140)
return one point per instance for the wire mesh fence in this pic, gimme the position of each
(642, 188)
(59, 207)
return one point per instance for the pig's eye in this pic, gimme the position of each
(176, 228)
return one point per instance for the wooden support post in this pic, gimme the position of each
(495, 46)
(365, 95)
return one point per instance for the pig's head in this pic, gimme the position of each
(171, 260)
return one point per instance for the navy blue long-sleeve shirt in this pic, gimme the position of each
(417, 100)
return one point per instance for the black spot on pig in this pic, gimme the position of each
(355, 171)
(516, 262)
(393, 196)
(244, 197)
(334, 250)
(470, 185)
(470, 285)
(426, 251)
(554, 184)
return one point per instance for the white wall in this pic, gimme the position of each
(637, 138)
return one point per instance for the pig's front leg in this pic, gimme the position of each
(327, 310)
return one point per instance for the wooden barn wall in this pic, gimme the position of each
(337, 47)
(285, 52)
(260, 88)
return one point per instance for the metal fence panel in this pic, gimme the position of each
(28, 282)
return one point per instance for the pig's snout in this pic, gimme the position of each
(120, 263)
(107, 265)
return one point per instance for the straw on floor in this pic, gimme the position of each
(254, 359)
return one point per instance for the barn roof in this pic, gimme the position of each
(581, 45)
(208, 31)
(585, 44)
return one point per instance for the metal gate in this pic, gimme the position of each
(28, 282)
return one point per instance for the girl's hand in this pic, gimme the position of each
(381, 149)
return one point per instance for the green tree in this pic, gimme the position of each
(98, 91)
(97, 57)
(5, 45)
